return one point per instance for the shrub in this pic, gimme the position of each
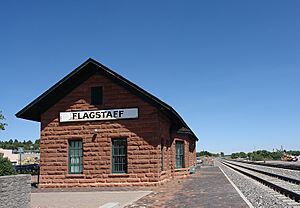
(257, 157)
(6, 168)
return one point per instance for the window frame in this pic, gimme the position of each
(97, 95)
(179, 154)
(120, 167)
(72, 149)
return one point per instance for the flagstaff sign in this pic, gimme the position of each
(98, 115)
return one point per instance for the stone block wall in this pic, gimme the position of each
(15, 191)
(141, 134)
(144, 137)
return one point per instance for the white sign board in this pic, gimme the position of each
(99, 115)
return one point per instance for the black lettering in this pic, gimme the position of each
(85, 115)
(74, 116)
(115, 114)
(98, 115)
(79, 116)
(92, 115)
(103, 114)
(108, 114)
(120, 114)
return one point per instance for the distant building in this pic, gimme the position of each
(100, 129)
(13, 158)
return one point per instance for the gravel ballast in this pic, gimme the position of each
(257, 194)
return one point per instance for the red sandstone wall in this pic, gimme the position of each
(189, 154)
(170, 150)
(165, 126)
(142, 135)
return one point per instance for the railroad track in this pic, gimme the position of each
(287, 186)
(275, 165)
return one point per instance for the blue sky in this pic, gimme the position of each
(231, 69)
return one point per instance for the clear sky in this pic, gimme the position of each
(231, 69)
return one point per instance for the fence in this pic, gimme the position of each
(32, 169)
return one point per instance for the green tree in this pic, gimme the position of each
(234, 155)
(2, 124)
(261, 155)
(204, 153)
(238, 155)
(276, 155)
(257, 156)
(36, 144)
(6, 168)
(242, 155)
(293, 152)
(15, 144)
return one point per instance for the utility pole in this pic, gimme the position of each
(20, 150)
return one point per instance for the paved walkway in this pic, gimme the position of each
(93, 199)
(207, 188)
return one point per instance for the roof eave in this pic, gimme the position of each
(33, 111)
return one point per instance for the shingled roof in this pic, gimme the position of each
(34, 109)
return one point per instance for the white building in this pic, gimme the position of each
(14, 158)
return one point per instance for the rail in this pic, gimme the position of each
(289, 193)
(275, 165)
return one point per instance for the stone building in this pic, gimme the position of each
(100, 129)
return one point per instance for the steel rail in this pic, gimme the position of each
(284, 178)
(284, 166)
(288, 193)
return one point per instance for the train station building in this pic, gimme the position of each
(100, 129)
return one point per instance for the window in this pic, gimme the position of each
(162, 154)
(179, 154)
(96, 96)
(119, 156)
(75, 157)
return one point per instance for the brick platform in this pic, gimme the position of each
(207, 188)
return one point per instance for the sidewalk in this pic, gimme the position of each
(207, 188)
(93, 199)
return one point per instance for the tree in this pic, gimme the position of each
(234, 155)
(15, 144)
(203, 153)
(293, 152)
(2, 124)
(242, 155)
(6, 168)
(206, 154)
(36, 145)
(261, 155)
(238, 155)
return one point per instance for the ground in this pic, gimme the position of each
(207, 188)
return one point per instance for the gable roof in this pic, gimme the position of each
(34, 109)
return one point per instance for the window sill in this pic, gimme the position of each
(181, 169)
(75, 175)
(163, 172)
(118, 175)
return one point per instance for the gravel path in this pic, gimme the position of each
(258, 194)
